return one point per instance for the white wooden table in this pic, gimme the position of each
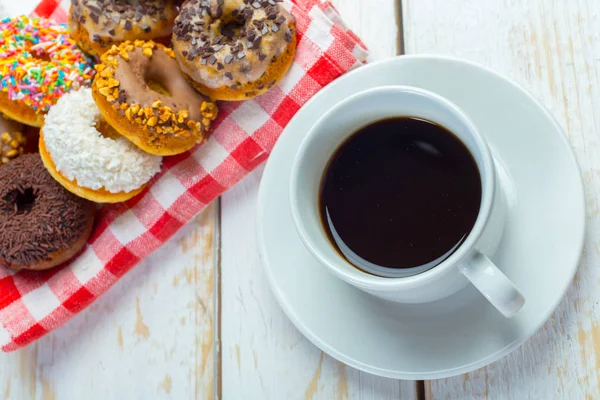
(197, 320)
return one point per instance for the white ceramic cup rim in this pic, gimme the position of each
(340, 266)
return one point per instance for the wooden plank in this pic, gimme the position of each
(263, 355)
(149, 337)
(551, 47)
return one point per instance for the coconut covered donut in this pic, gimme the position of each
(143, 95)
(234, 49)
(97, 25)
(85, 162)
(42, 225)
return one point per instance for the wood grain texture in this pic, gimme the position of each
(551, 47)
(263, 355)
(149, 337)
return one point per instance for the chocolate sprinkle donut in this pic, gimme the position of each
(96, 25)
(39, 220)
(234, 49)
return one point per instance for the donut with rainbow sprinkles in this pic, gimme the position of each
(39, 63)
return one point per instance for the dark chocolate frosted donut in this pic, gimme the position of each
(42, 225)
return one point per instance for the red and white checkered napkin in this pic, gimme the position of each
(33, 304)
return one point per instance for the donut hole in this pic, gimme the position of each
(106, 130)
(232, 29)
(157, 87)
(42, 55)
(23, 200)
(154, 80)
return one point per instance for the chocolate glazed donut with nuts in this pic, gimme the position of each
(97, 25)
(42, 225)
(142, 94)
(234, 49)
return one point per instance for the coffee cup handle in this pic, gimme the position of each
(493, 284)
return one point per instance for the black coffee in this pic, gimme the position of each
(400, 193)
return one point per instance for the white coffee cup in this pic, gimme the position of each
(469, 262)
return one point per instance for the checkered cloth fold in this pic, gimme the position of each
(35, 303)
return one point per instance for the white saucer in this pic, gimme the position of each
(539, 252)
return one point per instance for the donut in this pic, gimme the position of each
(143, 95)
(12, 140)
(38, 64)
(85, 162)
(41, 224)
(97, 25)
(234, 49)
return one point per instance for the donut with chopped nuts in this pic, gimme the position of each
(87, 158)
(97, 25)
(143, 95)
(234, 49)
(42, 225)
(12, 140)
